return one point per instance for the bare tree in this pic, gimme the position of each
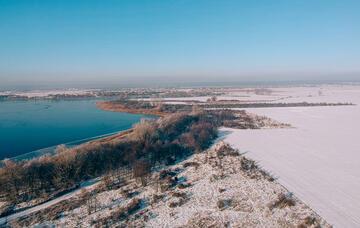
(92, 203)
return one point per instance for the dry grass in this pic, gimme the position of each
(200, 220)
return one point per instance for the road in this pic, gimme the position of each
(66, 196)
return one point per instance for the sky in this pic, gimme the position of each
(119, 42)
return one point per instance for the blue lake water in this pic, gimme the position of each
(27, 126)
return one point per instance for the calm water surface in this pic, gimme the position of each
(26, 126)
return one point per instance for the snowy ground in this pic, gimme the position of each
(217, 175)
(319, 159)
(250, 198)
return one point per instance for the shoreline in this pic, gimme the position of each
(51, 149)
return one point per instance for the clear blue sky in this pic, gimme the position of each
(124, 41)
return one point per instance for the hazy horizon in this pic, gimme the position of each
(172, 84)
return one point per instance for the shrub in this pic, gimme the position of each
(309, 221)
(119, 214)
(179, 194)
(156, 198)
(166, 173)
(184, 185)
(134, 205)
(176, 202)
(283, 200)
(224, 203)
(248, 165)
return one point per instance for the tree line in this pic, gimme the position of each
(151, 142)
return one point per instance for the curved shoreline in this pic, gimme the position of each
(102, 105)
(32, 126)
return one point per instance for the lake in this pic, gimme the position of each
(27, 126)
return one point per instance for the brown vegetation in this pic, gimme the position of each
(205, 220)
(121, 107)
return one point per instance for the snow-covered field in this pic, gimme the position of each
(319, 159)
(237, 96)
